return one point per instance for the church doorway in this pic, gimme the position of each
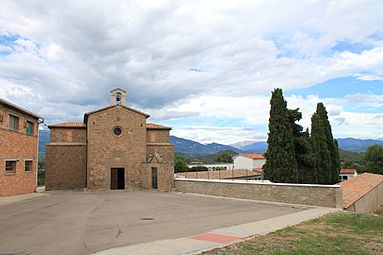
(117, 178)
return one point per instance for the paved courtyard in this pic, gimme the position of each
(69, 222)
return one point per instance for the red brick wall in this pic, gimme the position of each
(20, 146)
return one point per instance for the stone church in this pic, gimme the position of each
(113, 148)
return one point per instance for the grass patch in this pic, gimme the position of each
(342, 233)
(358, 223)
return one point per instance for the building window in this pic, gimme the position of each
(13, 122)
(29, 127)
(117, 131)
(28, 165)
(10, 166)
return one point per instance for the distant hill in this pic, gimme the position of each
(351, 155)
(44, 136)
(357, 145)
(206, 159)
(347, 144)
(190, 147)
(258, 147)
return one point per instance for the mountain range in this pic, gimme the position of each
(191, 147)
(194, 148)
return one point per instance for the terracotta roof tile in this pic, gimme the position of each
(68, 125)
(253, 156)
(348, 171)
(358, 186)
(156, 126)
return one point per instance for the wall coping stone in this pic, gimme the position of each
(159, 144)
(259, 183)
(66, 144)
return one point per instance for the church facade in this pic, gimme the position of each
(113, 148)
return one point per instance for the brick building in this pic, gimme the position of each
(113, 148)
(18, 149)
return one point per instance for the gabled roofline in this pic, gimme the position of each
(118, 89)
(86, 115)
(18, 108)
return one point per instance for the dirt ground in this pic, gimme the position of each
(380, 210)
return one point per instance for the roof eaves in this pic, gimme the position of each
(11, 105)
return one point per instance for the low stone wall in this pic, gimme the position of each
(369, 202)
(305, 194)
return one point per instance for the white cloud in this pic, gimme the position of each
(70, 54)
(368, 77)
(226, 135)
(246, 118)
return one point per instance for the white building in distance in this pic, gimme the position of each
(249, 161)
(346, 174)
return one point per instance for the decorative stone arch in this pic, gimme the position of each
(156, 158)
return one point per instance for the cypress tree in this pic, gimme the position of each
(309, 160)
(319, 145)
(302, 149)
(337, 165)
(332, 145)
(281, 165)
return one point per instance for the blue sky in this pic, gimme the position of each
(205, 68)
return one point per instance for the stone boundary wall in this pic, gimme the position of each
(304, 194)
(369, 202)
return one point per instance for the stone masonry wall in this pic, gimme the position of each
(165, 168)
(165, 150)
(68, 135)
(315, 195)
(165, 175)
(65, 166)
(157, 136)
(17, 145)
(106, 150)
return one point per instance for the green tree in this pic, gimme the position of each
(281, 165)
(322, 161)
(302, 148)
(337, 164)
(198, 169)
(374, 159)
(181, 165)
(349, 164)
(332, 146)
(225, 156)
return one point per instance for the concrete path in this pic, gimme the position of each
(218, 238)
(70, 222)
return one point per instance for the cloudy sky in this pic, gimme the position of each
(206, 68)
